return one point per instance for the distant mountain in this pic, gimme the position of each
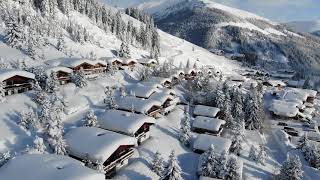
(305, 26)
(316, 33)
(215, 26)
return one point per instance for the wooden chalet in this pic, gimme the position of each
(91, 68)
(190, 73)
(141, 106)
(167, 99)
(206, 125)
(165, 82)
(148, 62)
(63, 73)
(100, 146)
(114, 61)
(207, 111)
(203, 142)
(129, 62)
(16, 81)
(128, 123)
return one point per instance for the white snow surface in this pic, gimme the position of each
(139, 105)
(201, 110)
(9, 73)
(97, 143)
(122, 121)
(47, 167)
(284, 108)
(204, 141)
(207, 123)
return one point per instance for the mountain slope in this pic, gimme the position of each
(305, 26)
(215, 26)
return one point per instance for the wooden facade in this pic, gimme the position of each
(63, 77)
(17, 84)
(90, 69)
(154, 111)
(206, 131)
(143, 132)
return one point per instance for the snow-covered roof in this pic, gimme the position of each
(147, 61)
(74, 62)
(111, 59)
(237, 78)
(159, 80)
(189, 70)
(204, 141)
(284, 108)
(296, 94)
(129, 60)
(124, 122)
(207, 111)
(143, 91)
(57, 69)
(293, 83)
(276, 83)
(161, 96)
(150, 84)
(207, 123)
(95, 143)
(138, 104)
(9, 73)
(47, 167)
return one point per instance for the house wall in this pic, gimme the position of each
(17, 84)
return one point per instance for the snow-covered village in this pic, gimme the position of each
(156, 90)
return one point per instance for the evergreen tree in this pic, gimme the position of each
(39, 145)
(173, 170)
(5, 157)
(124, 50)
(185, 129)
(110, 99)
(221, 165)
(91, 119)
(291, 169)
(155, 44)
(253, 113)
(237, 108)
(220, 98)
(209, 162)
(14, 33)
(61, 45)
(28, 120)
(2, 93)
(188, 65)
(79, 79)
(52, 83)
(253, 154)
(237, 138)
(232, 169)
(262, 155)
(157, 164)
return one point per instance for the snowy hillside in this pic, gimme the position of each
(305, 26)
(215, 26)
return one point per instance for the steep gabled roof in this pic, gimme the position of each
(9, 73)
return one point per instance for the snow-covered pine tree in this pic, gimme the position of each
(209, 161)
(122, 92)
(79, 79)
(91, 119)
(39, 145)
(262, 155)
(291, 169)
(185, 129)
(28, 120)
(221, 165)
(145, 74)
(220, 98)
(155, 44)
(158, 164)
(5, 157)
(188, 65)
(253, 153)
(124, 51)
(237, 138)
(237, 105)
(2, 93)
(253, 113)
(52, 83)
(14, 33)
(99, 167)
(60, 145)
(61, 45)
(232, 169)
(227, 111)
(173, 170)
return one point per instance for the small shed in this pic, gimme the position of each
(47, 167)
(16, 81)
(207, 111)
(128, 123)
(208, 125)
(138, 105)
(204, 141)
(148, 62)
(100, 146)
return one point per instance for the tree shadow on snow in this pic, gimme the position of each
(135, 175)
(189, 165)
(256, 171)
(172, 132)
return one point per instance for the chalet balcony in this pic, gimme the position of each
(111, 167)
(17, 88)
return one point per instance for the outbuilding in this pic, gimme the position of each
(63, 73)
(100, 146)
(206, 125)
(128, 123)
(207, 111)
(203, 142)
